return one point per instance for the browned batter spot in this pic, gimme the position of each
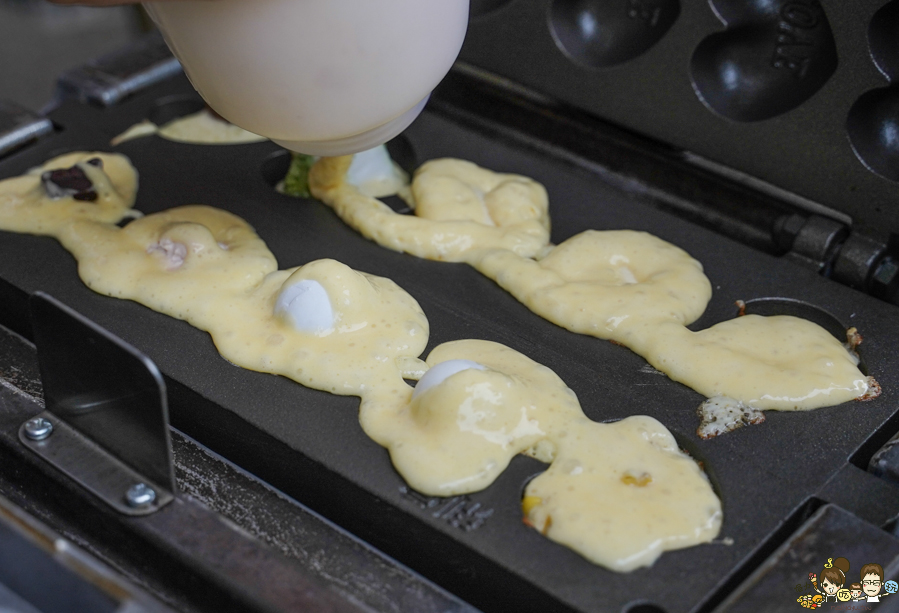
(873, 392)
(641, 480)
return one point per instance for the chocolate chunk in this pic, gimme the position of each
(90, 196)
(72, 182)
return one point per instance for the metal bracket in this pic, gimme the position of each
(106, 423)
(19, 126)
(110, 78)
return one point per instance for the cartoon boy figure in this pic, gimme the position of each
(855, 590)
(872, 581)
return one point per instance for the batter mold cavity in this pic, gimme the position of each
(772, 57)
(770, 307)
(600, 33)
(873, 121)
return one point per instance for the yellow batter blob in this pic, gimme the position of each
(208, 267)
(460, 209)
(612, 285)
(619, 494)
(200, 128)
(622, 493)
(375, 330)
(459, 435)
(183, 262)
(778, 363)
(641, 291)
(27, 206)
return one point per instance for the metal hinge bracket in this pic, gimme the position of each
(106, 418)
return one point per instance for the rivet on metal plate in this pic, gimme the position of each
(37, 429)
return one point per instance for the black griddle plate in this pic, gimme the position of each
(308, 443)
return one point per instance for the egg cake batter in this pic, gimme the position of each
(200, 128)
(640, 291)
(208, 267)
(182, 262)
(78, 185)
(619, 494)
(460, 209)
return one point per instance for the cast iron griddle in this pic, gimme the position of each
(770, 477)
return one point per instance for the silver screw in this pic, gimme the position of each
(38, 428)
(140, 495)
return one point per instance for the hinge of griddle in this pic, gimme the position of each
(812, 241)
(106, 418)
(833, 250)
(110, 78)
(19, 126)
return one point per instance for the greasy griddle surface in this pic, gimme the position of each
(309, 443)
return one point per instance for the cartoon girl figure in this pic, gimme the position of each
(831, 579)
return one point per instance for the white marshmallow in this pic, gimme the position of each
(439, 373)
(306, 306)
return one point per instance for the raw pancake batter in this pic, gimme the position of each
(209, 267)
(78, 185)
(778, 363)
(643, 494)
(182, 262)
(612, 285)
(640, 291)
(619, 494)
(200, 128)
(366, 334)
(460, 209)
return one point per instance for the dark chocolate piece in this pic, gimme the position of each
(73, 182)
